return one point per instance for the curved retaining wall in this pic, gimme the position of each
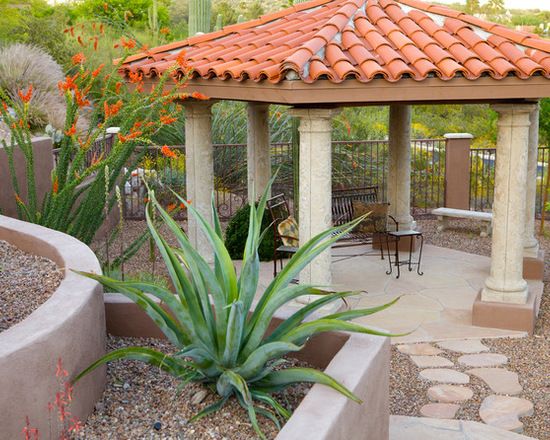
(70, 325)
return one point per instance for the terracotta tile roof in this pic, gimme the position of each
(356, 39)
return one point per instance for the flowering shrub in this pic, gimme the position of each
(86, 172)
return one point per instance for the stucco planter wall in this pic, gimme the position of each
(360, 362)
(70, 325)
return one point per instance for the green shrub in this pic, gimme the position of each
(237, 231)
(220, 338)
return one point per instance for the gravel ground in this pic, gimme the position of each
(26, 282)
(529, 357)
(138, 396)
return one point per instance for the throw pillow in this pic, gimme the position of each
(377, 219)
(288, 230)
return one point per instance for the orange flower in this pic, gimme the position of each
(78, 58)
(127, 44)
(69, 83)
(79, 39)
(112, 110)
(171, 207)
(98, 70)
(146, 200)
(200, 96)
(18, 199)
(181, 60)
(164, 31)
(167, 120)
(105, 7)
(167, 152)
(25, 97)
(71, 131)
(5, 106)
(182, 205)
(118, 85)
(55, 186)
(81, 100)
(135, 77)
(132, 135)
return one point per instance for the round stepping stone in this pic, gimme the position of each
(465, 346)
(419, 349)
(431, 361)
(440, 410)
(449, 393)
(482, 359)
(500, 380)
(504, 412)
(444, 375)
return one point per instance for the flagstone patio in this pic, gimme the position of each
(436, 306)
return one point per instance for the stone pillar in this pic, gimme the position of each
(399, 175)
(258, 149)
(199, 167)
(457, 170)
(315, 186)
(505, 283)
(530, 243)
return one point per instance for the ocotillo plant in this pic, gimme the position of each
(199, 16)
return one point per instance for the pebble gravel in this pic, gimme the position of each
(26, 282)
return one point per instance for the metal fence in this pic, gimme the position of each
(101, 147)
(482, 177)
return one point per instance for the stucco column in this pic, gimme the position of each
(315, 186)
(505, 282)
(258, 149)
(399, 173)
(199, 167)
(530, 243)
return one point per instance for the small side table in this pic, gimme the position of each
(396, 236)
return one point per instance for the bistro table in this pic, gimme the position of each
(396, 236)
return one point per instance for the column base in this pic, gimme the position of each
(533, 267)
(519, 317)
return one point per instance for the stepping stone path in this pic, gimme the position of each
(482, 360)
(419, 349)
(440, 410)
(444, 375)
(496, 410)
(449, 393)
(431, 361)
(504, 412)
(465, 346)
(500, 380)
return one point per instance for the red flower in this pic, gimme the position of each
(98, 70)
(112, 110)
(127, 44)
(18, 199)
(78, 58)
(200, 96)
(135, 77)
(79, 39)
(81, 100)
(181, 60)
(118, 85)
(167, 152)
(69, 83)
(105, 7)
(25, 97)
(71, 131)
(167, 120)
(171, 207)
(164, 31)
(55, 189)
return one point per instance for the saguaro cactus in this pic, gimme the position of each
(219, 23)
(199, 16)
(152, 20)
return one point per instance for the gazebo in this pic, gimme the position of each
(326, 54)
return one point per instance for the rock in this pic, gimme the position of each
(449, 393)
(503, 412)
(419, 349)
(482, 360)
(440, 410)
(126, 385)
(198, 397)
(431, 361)
(444, 375)
(464, 346)
(500, 380)
(157, 426)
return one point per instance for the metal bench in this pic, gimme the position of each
(443, 215)
(342, 212)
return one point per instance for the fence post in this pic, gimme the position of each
(457, 170)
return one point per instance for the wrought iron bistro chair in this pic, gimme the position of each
(372, 229)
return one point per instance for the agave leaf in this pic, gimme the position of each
(258, 358)
(268, 414)
(280, 379)
(267, 399)
(251, 415)
(304, 312)
(210, 409)
(176, 367)
(233, 340)
(358, 313)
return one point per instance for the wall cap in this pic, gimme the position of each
(458, 136)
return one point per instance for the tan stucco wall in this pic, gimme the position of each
(69, 325)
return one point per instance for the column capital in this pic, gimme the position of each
(514, 108)
(314, 113)
(198, 108)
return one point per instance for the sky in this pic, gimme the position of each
(516, 4)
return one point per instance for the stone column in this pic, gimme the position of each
(258, 149)
(199, 167)
(530, 243)
(315, 186)
(505, 283)
(399, 174)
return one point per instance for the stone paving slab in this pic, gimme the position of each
(504, 412)
(482, 360)
(431, 361)
(466, 346)
(419, 349)
(449, 393)
(500, 380)
(444, 375)
(423, 428)
(440, 410)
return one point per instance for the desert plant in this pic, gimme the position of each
(199, 16)
(221, 340)
(237, 231)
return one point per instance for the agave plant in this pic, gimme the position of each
(221, 339)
